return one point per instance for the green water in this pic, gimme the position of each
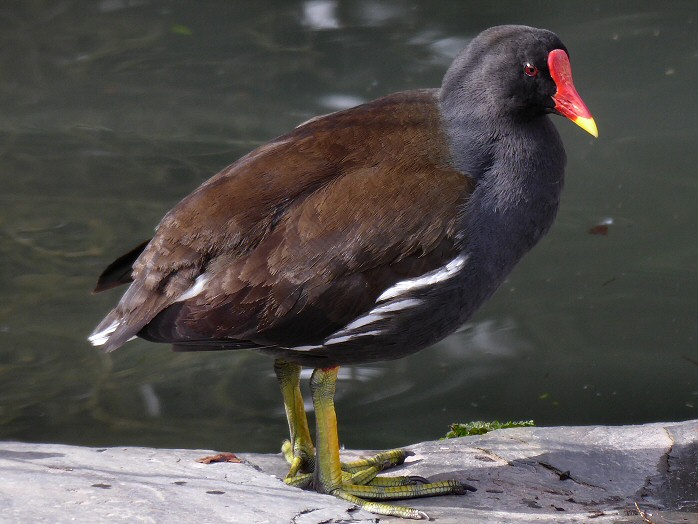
(111, 111)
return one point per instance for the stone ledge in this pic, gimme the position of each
(560, 474)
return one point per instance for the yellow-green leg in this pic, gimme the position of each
(362, 488)
(299, 450)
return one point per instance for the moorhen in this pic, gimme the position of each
(363, 235)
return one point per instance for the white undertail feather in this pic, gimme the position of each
(100, 337)
(104, 335)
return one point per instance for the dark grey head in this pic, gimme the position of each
(503, 72)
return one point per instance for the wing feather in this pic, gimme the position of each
(303, 234)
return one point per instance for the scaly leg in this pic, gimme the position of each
(299, 451)
(329, 477)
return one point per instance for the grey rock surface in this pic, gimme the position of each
(562, 474)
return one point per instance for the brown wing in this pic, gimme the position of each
(300, 236)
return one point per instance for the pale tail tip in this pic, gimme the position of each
(101, 337)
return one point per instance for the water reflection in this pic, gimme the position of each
(113, 110)
(319, 14)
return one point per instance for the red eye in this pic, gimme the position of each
(530, 69)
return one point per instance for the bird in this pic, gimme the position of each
(364, 235)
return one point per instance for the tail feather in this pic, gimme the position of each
(154, 287)
(119, 271)
(113, 332)
(139, 305)
(136, 308)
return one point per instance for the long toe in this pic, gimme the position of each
(380, 508)
(383, 460)
(405, 491)
(397, 481)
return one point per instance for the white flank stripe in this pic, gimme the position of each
(198, 287)
(368, 318)
(428, 279)
(338, 340)
(350, 331)
(396, 306)
(304, 348)
(380, 312)
(100, 338)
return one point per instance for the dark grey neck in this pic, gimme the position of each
(518, 167)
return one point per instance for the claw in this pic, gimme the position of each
(416, 479)
(461, 488)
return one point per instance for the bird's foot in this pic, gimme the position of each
(362, 486)
(360, 472)
(357, 482)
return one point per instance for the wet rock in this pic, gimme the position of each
(562, 474)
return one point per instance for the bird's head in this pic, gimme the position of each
(515, 71)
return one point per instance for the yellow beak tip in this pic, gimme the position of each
(588, 125)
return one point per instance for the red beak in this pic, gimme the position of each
(567, 101)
